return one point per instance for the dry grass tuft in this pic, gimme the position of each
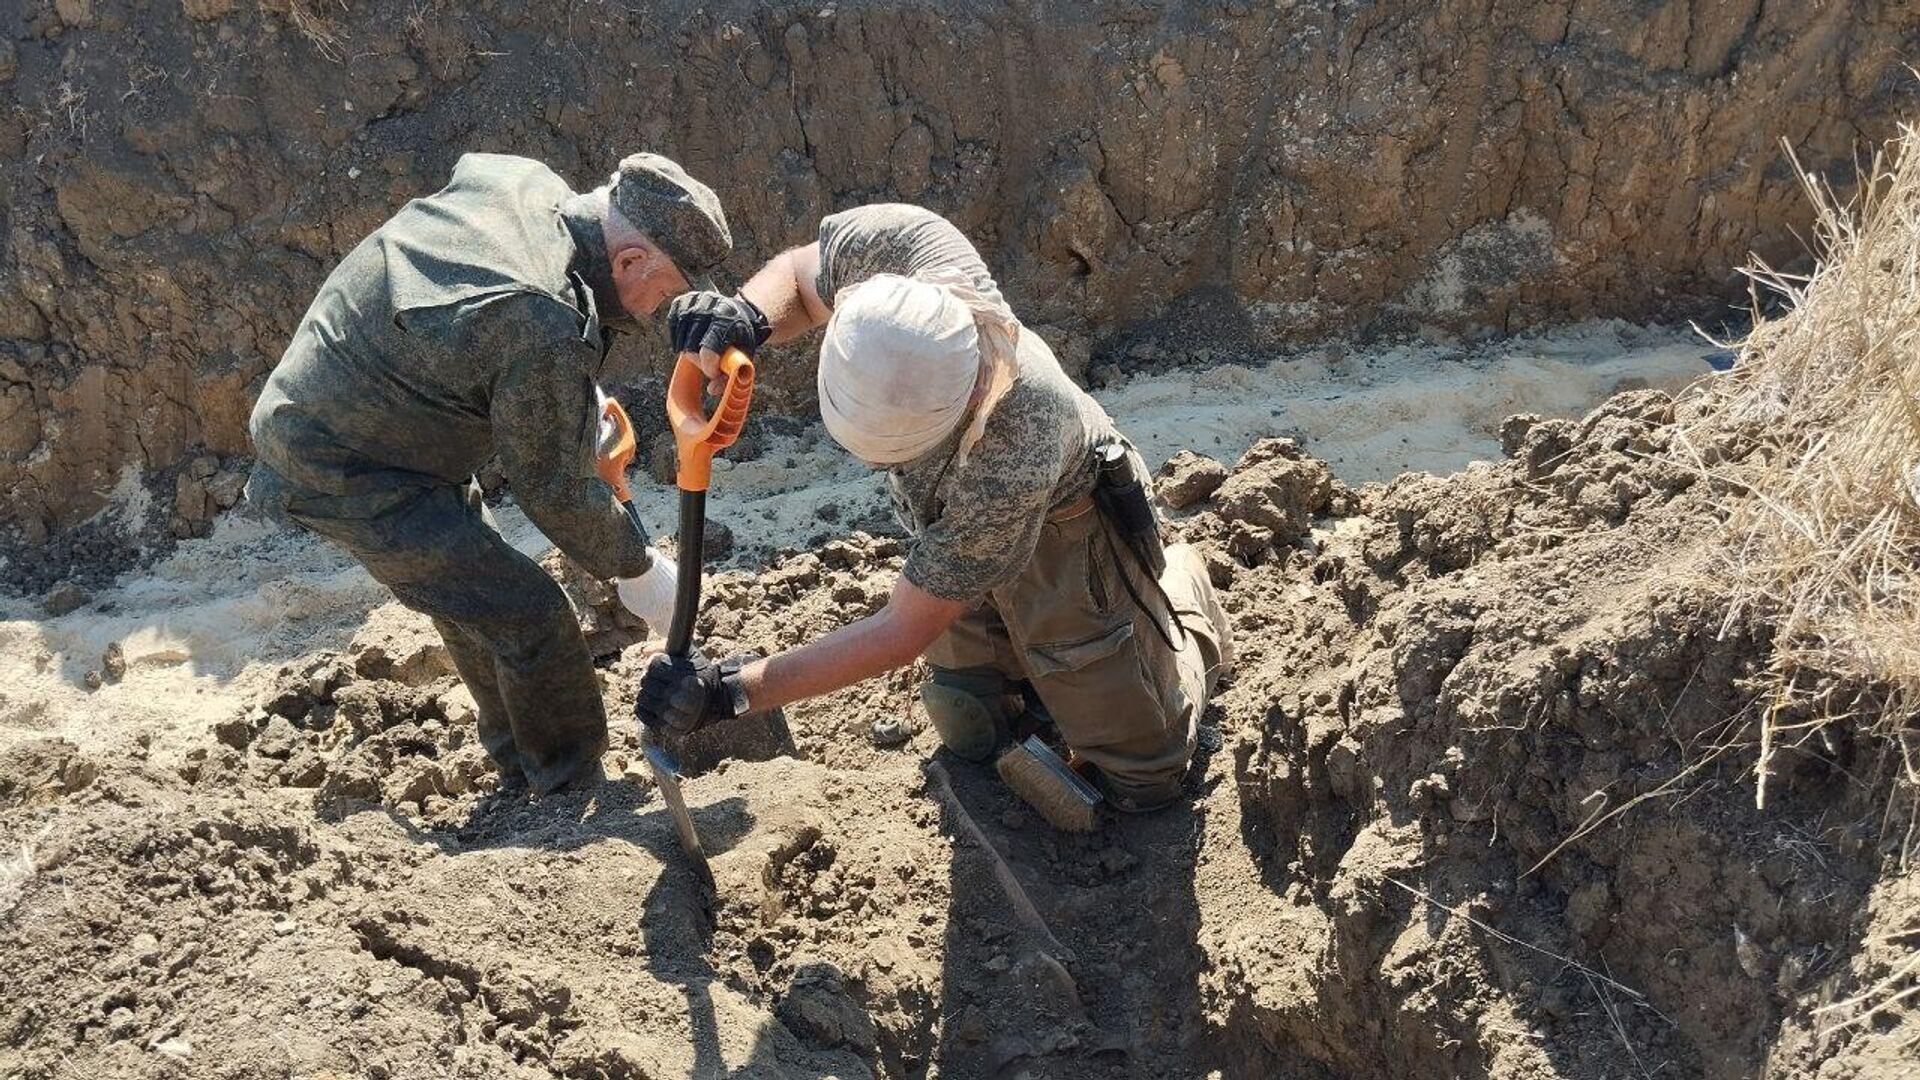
(1826, 544)
(1827, 547)
(321, 32)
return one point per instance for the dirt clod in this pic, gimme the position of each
(1187, 478)
(113, 662)
(38, 771)
(1270, 499)
(65, 598)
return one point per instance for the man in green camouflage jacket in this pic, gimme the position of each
(472, 323)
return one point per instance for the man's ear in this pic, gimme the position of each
(625, 260)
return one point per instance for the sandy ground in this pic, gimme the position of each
(202, 629)
(1372, 414)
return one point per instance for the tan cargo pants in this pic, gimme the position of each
(1121, 697)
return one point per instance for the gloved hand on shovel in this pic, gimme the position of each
(683, 694)
(706, 324)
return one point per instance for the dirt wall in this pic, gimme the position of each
(1492, 756)
(179, 178)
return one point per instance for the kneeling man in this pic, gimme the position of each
(1035, 566)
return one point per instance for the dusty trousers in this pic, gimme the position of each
(1124, 697)
(508, 626)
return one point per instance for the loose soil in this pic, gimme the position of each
(1478, 801)
(1475, 804)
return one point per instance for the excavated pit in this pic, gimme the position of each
(1481, 801)
(1465, 817)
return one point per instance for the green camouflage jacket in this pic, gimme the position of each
(459, 329)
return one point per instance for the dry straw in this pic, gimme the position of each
(1827, 548)
(1826, 545)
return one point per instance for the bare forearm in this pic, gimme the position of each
(780, 291)
(851, 654)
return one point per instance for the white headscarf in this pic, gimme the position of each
(902, 358)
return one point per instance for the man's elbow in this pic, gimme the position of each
(904, 649)
(910, 638)
(889, 642)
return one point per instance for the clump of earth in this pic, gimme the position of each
(1479, 806)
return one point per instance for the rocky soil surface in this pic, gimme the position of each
(179, 177)
(1480, 807)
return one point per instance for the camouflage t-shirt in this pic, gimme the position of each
(976, 524)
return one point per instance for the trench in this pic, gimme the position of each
(1455, 822)
(1325, 908)
(246, 613)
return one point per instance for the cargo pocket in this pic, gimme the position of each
(1066, 594)
(1102, 696)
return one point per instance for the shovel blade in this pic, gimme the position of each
(666, 777)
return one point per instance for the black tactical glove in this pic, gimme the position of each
(711, 321)
(684, 694)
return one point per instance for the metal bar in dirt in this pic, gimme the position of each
(639, 527)
(686, 607)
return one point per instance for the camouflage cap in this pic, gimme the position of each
(679, 213)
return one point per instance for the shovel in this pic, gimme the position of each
(616, 453)
(696, 437)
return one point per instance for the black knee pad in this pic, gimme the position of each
(969, 711)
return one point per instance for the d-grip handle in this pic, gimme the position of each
(616, 451)
(696, 435)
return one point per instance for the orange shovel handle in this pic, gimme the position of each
(696, 435)
(617, 452)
